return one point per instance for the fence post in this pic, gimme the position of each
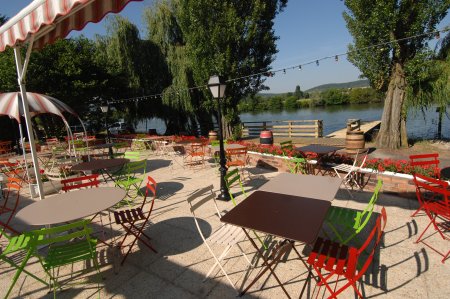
(290, 129)
(264, 126)
(319, 129)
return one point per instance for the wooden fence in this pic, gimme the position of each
(285, 128)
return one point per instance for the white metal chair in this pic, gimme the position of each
(350, 176)
(226, 235)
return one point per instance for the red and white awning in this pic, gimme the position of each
(11, 104)
(49, 20)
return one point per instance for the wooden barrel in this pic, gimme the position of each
(266, 138)
(212, 135)
(354, 141)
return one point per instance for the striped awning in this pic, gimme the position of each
(11, 105)
(49, 20)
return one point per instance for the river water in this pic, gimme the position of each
(420, 124)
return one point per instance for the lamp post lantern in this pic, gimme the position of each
(105, 108)
(217, 86)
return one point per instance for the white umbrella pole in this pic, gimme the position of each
(21, 72)
(24, 154)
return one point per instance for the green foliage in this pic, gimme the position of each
(291, 103)
(206, 37)
(364, 95)
(335, 97)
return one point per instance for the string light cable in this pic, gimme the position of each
(272, 73)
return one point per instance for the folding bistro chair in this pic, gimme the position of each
(341, 260)
(350, 177)
(132, 156)
(425, 161)
(134, 220)
(13, 184)
(232, 177)
(67, 244)
(130, 177)
(87, 181)
(438, 212)
(19, 244)
(195, 155)
(226, 235)
(425, 190)
(352, 221)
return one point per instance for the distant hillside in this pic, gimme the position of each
(353, 84)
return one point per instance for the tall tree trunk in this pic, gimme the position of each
(393, 123)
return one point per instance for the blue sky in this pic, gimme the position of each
(307, 30)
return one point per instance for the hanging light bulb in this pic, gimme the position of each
(317, 62)
(300, 67)
(284, 71)
(336, 58)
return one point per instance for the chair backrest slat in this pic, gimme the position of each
(80, 182)
(426, 160)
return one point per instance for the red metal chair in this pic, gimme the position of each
(426, 160)
(12, 184)
(80, 182)
(438, 211)
(134, 220)
(425, 190)
(341, 260)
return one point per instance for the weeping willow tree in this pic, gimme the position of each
(433, 91)
(137, 67)
(205, 37)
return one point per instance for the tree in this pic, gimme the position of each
(395, 66)
(3, 19)
(207, 37)
(298, 92)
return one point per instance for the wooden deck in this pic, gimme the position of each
(367, 127)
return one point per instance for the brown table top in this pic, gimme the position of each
(318, 148)
(286, 216)
(70, 206)
(312, 186)
(99, 164)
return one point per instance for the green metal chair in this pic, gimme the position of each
(131, 176)
(352, 221)
(67, 244)
(21, 243)
(295, 164)
(132, 156)
(117, 147)
(286, 145)
(232, 177)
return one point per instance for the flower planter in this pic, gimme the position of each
(49, 188)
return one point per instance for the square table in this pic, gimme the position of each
(321, 151)
(318, 187)
(292, 218)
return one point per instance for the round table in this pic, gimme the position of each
(445, 173)
(70, 206)
(100, 164)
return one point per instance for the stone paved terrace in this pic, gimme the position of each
(401, 269)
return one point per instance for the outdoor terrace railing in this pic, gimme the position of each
(285, 128)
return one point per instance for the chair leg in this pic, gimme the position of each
(217, 263)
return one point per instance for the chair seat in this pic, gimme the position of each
(60, 255)
(129, 182)
(227, 235)
(330, 255)
(345, 167)
(129, 216)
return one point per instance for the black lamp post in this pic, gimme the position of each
(217, 87)
(105, 108)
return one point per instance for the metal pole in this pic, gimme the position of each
(224, 194)
(21, 77)
(108, 136)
